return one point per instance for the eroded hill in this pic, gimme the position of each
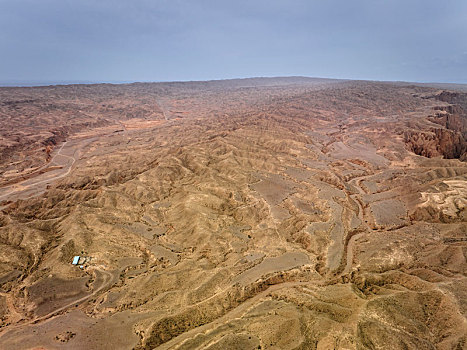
(285, 213)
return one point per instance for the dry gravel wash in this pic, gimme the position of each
(286, 213)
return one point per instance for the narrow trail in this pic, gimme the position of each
(17, 186)
(66, 162)
(73, 160)
(163, 109)
(107, 279)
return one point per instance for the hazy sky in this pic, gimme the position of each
(160, 40)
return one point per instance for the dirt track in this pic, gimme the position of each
(38, 184)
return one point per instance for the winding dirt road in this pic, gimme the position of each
(62, 163)
(38, 183)
(106, 282)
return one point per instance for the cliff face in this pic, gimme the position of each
(451, 117)
(436, 142)
(448, 141)
(453, 97)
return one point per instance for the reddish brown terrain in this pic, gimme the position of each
(279, 213)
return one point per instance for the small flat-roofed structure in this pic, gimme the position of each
(75, 260)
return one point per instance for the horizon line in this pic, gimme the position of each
(49, 83)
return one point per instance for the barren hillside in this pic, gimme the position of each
(280, 213)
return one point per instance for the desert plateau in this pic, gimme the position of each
(261, 213)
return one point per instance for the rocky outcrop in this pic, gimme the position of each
(436, 142)
(453, 97)
(451, 117)
(450, 139)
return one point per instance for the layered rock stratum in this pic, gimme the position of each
(269, 213)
